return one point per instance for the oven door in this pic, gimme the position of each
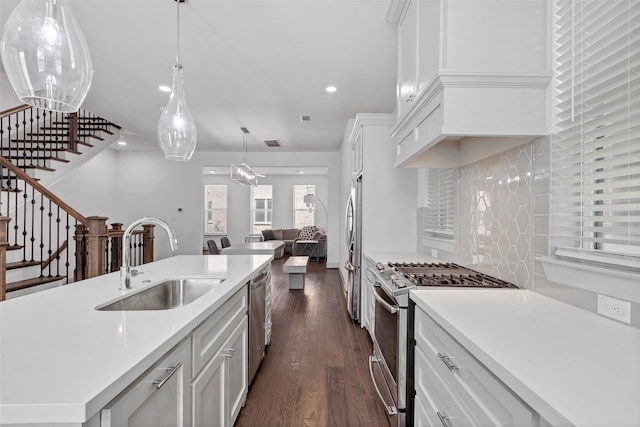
(383, 365)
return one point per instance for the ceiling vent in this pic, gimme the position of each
(272, 142)
(305, 118)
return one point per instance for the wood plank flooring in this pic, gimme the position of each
(315, 372)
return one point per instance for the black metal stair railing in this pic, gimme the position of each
(41, 227)
(34, 138)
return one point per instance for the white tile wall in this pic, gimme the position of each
(496, 215)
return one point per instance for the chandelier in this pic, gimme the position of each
(242, 173)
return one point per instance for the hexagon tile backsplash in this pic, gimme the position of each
(495, 215)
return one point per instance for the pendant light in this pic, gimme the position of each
(177, 133)
(242, 173)
(45, 55)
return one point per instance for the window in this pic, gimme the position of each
(215, 200)
(303, 214)
(595, 166)
(440, 202)
(261, 208)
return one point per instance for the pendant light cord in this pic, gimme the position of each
(178, 32)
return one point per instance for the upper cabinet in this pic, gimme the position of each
(472, 78)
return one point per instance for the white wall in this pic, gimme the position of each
(8, 98)
(91, 188)
(134, 184)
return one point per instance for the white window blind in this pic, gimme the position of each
(440, 202)
(596, 151)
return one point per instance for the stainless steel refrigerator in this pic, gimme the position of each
(353, 234)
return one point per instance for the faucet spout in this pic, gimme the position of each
(125, 269)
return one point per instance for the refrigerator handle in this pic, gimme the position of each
(348, 231)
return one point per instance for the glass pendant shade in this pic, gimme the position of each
(177, 134)
(45, 55)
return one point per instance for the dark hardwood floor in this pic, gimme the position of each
(315, 372)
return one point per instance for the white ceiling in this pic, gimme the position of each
(258, 64)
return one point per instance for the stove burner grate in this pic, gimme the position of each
(446, 275)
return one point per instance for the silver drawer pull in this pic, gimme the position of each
(231, 352)
(170, 371)
(443, 419)
(446, 361)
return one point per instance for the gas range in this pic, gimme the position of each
(399, 278)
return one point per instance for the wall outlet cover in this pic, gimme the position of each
(614, 308)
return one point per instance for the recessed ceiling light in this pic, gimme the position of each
(122, 142)
(212, 171)
(164, 88)
(300, 171)
(331, 89)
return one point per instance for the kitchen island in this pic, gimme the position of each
(62, 361)
(568, 366)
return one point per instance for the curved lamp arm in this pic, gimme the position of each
(311, 199)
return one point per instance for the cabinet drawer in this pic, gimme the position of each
(488, 400)
(160, 397)
(439, 405)
(213, 332)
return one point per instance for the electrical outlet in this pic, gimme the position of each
(614, 308)
(434, 253)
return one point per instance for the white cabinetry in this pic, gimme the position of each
(387, 206)
(220, 364)
(452, 388)
(356, 152)
(160, 397)
(202, 382)
(469, 73)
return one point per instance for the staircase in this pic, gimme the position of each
(44, 242)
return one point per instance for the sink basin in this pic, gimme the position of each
(164, 296)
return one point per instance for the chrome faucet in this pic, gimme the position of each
(125, 269)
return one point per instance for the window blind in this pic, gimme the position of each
(440, 202)
(595, 166)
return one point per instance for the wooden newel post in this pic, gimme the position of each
(4, 223)
(81, 252)
(96, 246)
(116, 246)
(147, 243)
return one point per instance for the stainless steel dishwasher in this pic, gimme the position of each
(257, 319)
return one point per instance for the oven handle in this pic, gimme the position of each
(391, 409)
(393, 309)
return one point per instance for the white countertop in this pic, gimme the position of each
(398, 256)
(268, 247)
(571, 366)
(62, 361)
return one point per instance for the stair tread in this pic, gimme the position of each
(22, 264)
(44, 168)
(29, 283)
(31, 158)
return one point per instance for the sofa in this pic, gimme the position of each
(290, 235)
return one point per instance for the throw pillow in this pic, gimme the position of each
(307, 232)
(268, 235)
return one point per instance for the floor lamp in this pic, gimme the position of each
(311, 199)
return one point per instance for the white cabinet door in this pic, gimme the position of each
(237, 370)
(356, 153)
(208, 393)
(220, 390)
(159, 398)
(407, 58)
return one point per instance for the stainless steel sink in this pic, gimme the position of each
(164, 296)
